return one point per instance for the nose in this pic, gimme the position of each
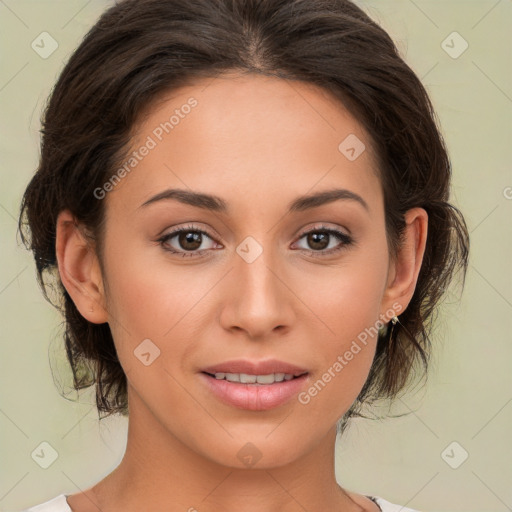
(259, 301)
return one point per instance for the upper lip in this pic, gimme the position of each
(255, 367)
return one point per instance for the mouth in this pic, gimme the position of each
(261, 380)
(254, 392)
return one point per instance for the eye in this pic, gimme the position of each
(321, 238)
(188, 240)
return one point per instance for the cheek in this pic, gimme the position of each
(150, 297)
(348, 299)
(349, 304)
(347, 357)
(148, 291)
(337, 383)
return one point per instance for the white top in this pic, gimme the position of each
(59, 504)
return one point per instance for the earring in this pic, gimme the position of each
(385, 328)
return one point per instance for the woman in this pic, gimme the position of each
(245, 206)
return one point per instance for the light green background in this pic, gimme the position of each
(468, 398)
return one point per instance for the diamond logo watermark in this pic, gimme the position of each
(352, 147)
(44, 45)
(454, 455)
(454, 45)
(249, 249)
(146, 352)
(45, 455)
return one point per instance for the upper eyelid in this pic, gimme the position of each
(322, 228)
(198, 229)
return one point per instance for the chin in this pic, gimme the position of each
(258, 451)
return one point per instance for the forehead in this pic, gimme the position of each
(249, 134)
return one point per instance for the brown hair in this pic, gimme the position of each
(139, 49)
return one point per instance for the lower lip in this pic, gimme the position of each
(255, 397)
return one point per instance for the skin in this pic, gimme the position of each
(258, 143)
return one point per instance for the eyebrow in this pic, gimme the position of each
(217, 204)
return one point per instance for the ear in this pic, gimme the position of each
(404, 270)
(79, 268)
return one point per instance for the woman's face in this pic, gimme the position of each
(246, 281)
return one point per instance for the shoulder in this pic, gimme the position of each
(57, 504)
(386, 506)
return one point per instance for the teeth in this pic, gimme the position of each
(254, 379)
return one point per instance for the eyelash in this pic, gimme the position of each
(342, 237)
